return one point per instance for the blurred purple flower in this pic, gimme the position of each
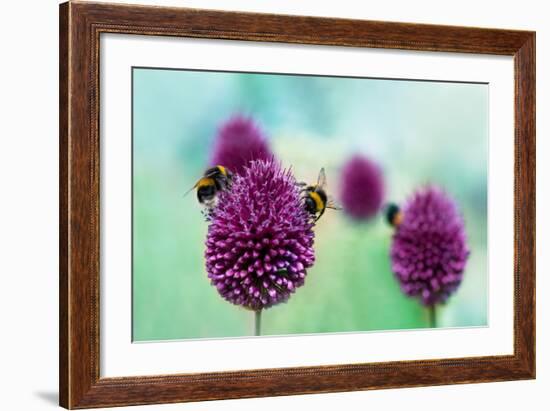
(361, 188)
(429, 249)
(239, 141)
(260, 239)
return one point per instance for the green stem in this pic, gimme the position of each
(433, 317)
(257, 322)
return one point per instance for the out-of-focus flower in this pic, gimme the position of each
(361, 188)
(239, 141)
(429, 249)
(260, 239)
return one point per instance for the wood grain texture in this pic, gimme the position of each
(63, 204)
(80, 27)
(524, 203)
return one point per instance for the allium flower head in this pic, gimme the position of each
(429, 249)
(361, 188)
(260, 239)
(239, 141)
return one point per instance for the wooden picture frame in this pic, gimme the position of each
(80, 27)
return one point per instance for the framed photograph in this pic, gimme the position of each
(259, 205)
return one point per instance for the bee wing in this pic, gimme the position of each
(322, 179)
(332, 204)
(188, 191)
(191, 189)
(210, 174)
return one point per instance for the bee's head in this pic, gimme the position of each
(394, 215)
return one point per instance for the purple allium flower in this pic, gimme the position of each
(260, 239)
(361, 188)
(429, 249)
(239, 141)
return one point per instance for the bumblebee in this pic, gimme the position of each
(394, 215)
(215, 179)
(316, 200)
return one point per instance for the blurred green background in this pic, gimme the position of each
(417, 131)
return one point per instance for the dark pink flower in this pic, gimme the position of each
(239, 141)
(429, 249)
(260, 239)
(361, 188)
